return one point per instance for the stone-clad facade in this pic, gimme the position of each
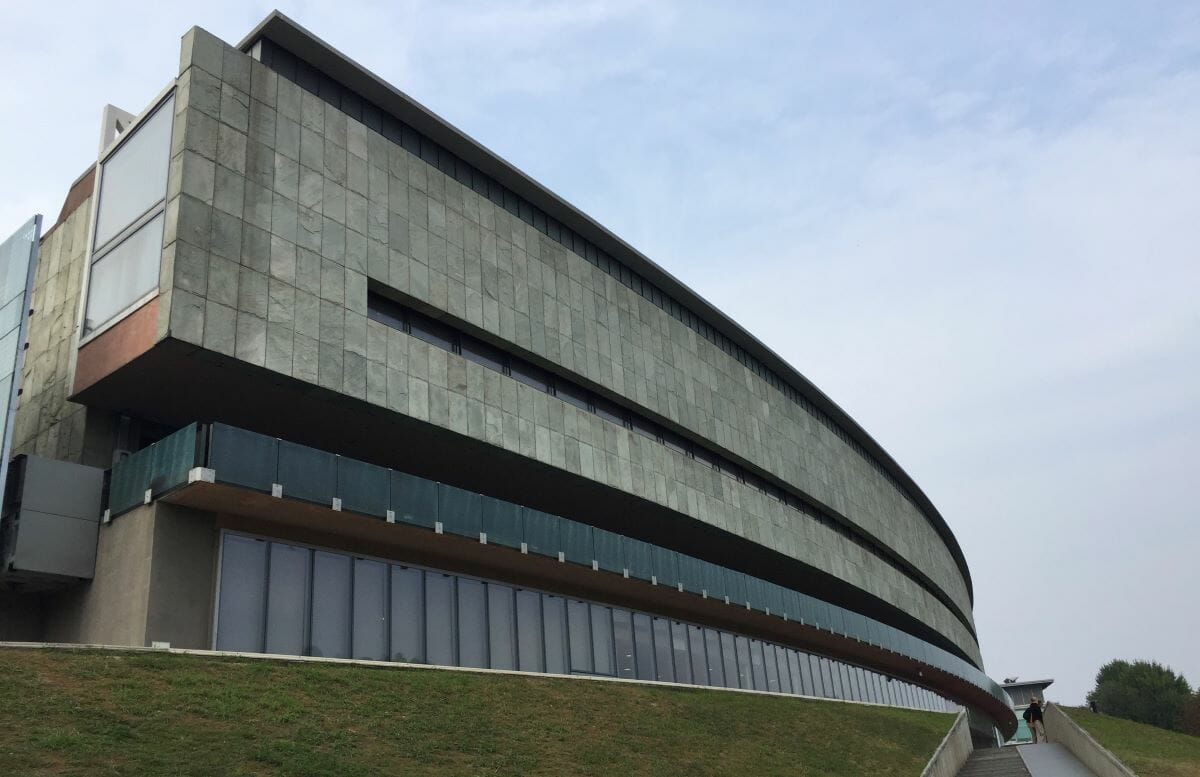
(282, 211)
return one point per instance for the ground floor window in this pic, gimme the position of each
(282, 598)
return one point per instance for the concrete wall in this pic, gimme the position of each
(1066, 732)
(280, 208)
(182, 578)
(953, 752)
(155, 568)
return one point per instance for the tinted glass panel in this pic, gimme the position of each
(602, 640)
(580, 636)
(571, 394)
(679, 646)
(554, 623)
(472, 624)
(529, 375)
(439, 619)
(623, 641)
(287, 599)
(408, 615)
(712, 657)
(502, 627)
(125, 274)
(729, 661)
(433, 332)
(529, 632)
(643, 646)
(785, 678)
(609, 411)
(243, 595)
(482, 353)
(663, 660)
(695, 636)
(758, 666)
(795, 672)
(370, 634)
(815, 674)
(134, 177)
(745, 675)
(331, 605)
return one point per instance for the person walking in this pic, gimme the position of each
(1033, 717)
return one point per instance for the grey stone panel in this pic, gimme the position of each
(327, 205)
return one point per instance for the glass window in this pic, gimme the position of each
(745, 673)
(287, 599)
(330, 605)
(643, 646)
(125, 274)
(431, 331)
(529, 632)
(663, 660)
(408, 615)
(781, 664)
(829, 690)
(439, 619)
(643, 426)
(243, 594)
(580, 636)
(385, 311)
(134, 178)
(623, 640)
(712, 657)
(679, 646)
(695, 636)
(674, 441)
(529, 375)
(502, 629)
(808, 685)
(818, 680)
(758, 667)
(370, 631)
(602, 640)
(554, 622)
(729, 657)
(472, 623)
(482, 353)
(609, 411)
(571, 394)
(795, 672)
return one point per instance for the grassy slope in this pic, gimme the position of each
(148, 714)
(1148, 751)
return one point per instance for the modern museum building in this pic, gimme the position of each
(302, 369)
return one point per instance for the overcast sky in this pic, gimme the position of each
(976, 227)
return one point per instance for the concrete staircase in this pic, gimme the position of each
(1004, 762)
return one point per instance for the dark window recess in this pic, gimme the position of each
(572, 394)
(609, 411)
(432, 331)
(529, 375)
(482, 353)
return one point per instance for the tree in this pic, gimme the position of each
(1142, 691)
(1191, 715)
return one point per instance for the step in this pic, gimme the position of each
(1005, 762)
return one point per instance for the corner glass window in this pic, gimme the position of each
(134, 177)
(127, 243)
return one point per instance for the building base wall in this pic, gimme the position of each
(154, 578)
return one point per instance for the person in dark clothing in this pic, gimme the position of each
(1033, 717)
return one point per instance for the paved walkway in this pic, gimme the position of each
(1052, 760)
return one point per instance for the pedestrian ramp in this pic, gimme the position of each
(1052, 760)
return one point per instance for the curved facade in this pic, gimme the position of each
(344, 271)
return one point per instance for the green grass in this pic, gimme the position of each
(110, 713)
(1148, 751)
